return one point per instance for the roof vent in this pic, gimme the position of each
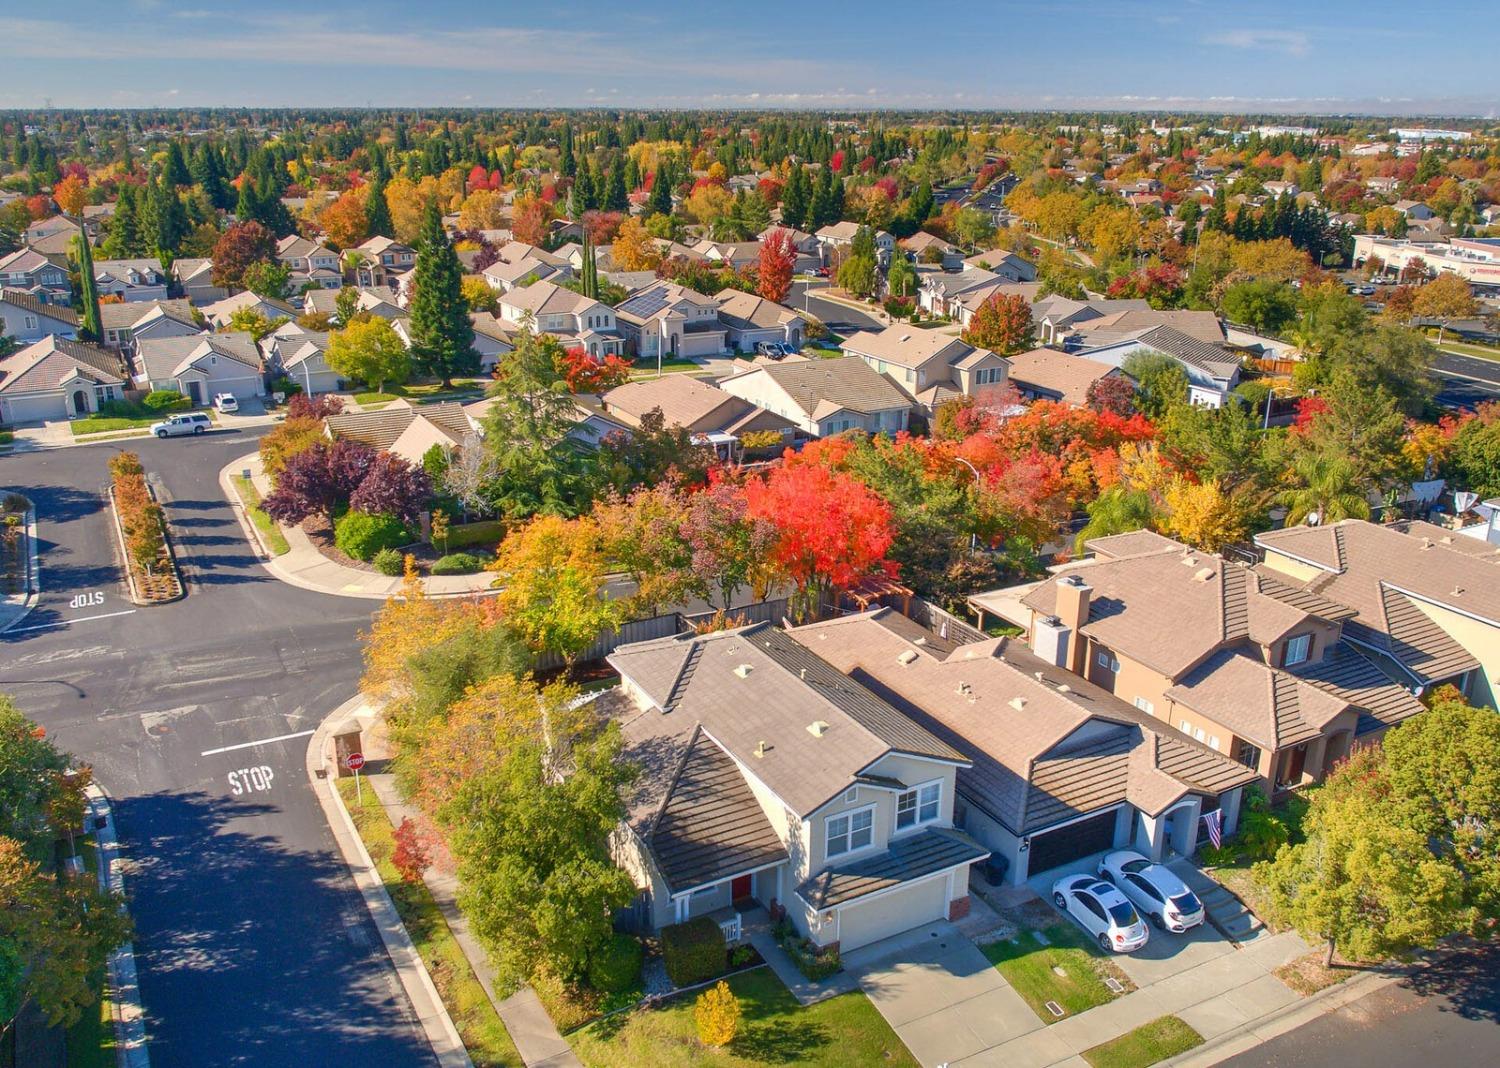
(743, 671)
(761, 748)
(1018, 703)
(1426, 543)
(965, 690)
(1190, 560)
(906, 656)
(1203, 574)
(1040, 675)
(802, 673)
(817, 728)
(1458, 591)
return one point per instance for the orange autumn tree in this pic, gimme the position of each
(832, 529)
(778, 259)
(71, 194)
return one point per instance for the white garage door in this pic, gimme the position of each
(890, 914)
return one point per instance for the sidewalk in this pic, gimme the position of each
(14, 607)
(306, 567)
(431, 1013)
(531, 1029)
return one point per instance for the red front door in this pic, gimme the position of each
(739, 888)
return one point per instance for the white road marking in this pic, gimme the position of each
(263, 741)
(248, 780)
(70, 622)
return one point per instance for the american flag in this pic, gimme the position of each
(1214, 821)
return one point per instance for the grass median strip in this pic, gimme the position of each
(1031, 968)
(480, 1027)
(1164, 1037)
(270, 532)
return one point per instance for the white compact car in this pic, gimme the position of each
(1155, 890)
(1102, 911)
(186, 423)
(225, 402)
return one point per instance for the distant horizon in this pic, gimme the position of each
(1340, 58)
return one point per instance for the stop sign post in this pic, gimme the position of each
(355, 761)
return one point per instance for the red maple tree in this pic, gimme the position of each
(778, 260)
(1003, 325)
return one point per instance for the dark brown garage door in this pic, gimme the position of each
(1052, 848)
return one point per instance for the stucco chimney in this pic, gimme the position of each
(1072, 611)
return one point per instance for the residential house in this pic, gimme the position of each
(52, 236)
(380, 258)
(824, 397)
(521, 264)
(1009, 266)
(575, 320)
(1277, 189)
(1421, 601)
(55, 378)
(769, 775)
(220, 312)
(669, 320)
(805, 243)
(125, 325)
(27, 318)
(302, 356)
(310, 263)
(1213, 369)
(375, 301)
(1414, 209)
(716, 418)
(836, 238)
(928, 248)
(1059, 769)
(407, 431)
(44, 277)
(492, 340)
(1240, 659)
(1057, 316)
(132, 281)
(194, 277)
(931, 366)
(736, 254)
(749, 319)
(202, 366)
(1382, 184)
(1046, 374)
(959, 295)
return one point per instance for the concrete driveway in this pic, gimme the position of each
(940, 994)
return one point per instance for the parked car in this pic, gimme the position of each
(226, 402)
(1101, 910)
(771, 350)
(177, 425)
(1154, 889)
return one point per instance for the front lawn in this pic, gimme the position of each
(103, 424)
(483, 1034)
(270, 531)
(842, 1032)
(1164, 1037)
(646, 367)
(1028, 966)
(423, 392)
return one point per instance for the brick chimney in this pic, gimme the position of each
(1072, 612)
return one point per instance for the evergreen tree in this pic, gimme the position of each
(442, 335)
(615, 198)
(88, 288)
(175, 170)
(209, 175)
(794, 198)
(124, 240)
(921, 204)
(590, 272)
(247, 205)
(632, 174)
(377, 210)
(568, 165)
(660, 202)
(583, 187)
(169, 221)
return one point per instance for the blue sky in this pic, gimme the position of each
(1324, 56)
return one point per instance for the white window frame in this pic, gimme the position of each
(1302, 644)
(918, 804)
(1145, 706)
(849, 831)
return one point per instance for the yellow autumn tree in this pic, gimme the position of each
(1112, 232)
(71, 194)
(1202, 515)
(634, 249)
(717, 1015)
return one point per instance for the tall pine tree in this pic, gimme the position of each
(378, 209)
(442, 335)
(88, 287)
(124, 240)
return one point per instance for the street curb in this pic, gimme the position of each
(438, 1026)
(129, 1017)
(166, 540)
(33, 572)
(242, 513)
(1254, 1033)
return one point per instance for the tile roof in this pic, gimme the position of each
(547, 298)
(50, 362)
(125, 316)
(1051, 371)
(746, 311)
(684, 401)
(1269, 707)
(167, 357)
(832, 385)
(380, 429)
(1202, 326)
(1019, 717)
(1207, 356)
(755, 685)
(909, 346)
(906, 859)
(1350, 676)
(30, 302)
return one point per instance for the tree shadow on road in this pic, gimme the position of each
(61, 504)
(1467, 981)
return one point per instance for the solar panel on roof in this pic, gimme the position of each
(647, 304)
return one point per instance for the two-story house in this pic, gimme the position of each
(670, 320)
(825, 397)
(575, 320)
(131, 280)
(519, 265)
(44, 277)
(769, 775)
(27, 318)
(836, 238)
(195, 280)
(716, 418)
(1238, 658)
(302, 356)
(309, 262)
(933, 367)
(126, 325)
(379, 259)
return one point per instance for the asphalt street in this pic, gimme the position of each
(804, 297)
(252, 942)
(1466, 381)
(1448, 1014)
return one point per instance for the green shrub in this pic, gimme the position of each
(693, 951)
(810, 961)
(123, 409)
(361, 536)
(616, 966)
(166, 400)
(288, 386)
(485, 532)
(389, 562)
(7, 436)
(457, 564)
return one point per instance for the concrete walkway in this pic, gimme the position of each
(303, 565)
(14, 607)
(531, 1029)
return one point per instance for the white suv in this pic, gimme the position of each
(225, 402)
(177, 425)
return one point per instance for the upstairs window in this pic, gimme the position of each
(919, 806)
(850, 831)
(1298, 648)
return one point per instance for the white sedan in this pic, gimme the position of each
(1102, 911)
(1153, 889)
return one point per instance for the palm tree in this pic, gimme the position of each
(1118, 511)
(1329, 491)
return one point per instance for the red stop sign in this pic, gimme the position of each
(354, 761)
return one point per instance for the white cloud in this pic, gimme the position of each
(1289, 42)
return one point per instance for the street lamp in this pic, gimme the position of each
(973, 536)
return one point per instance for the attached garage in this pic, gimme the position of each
(1051, 849)
(894, 912)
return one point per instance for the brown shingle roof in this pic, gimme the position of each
(37, 306)
(49, 362)
(1054, 372)
(830, 385)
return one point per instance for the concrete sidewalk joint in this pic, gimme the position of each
(129, 1018)
(425, 1001)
